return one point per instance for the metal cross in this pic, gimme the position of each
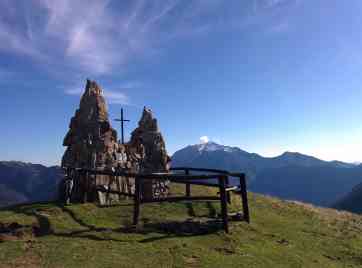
(122, 121)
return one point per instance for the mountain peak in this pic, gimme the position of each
(211, 146)
(291, 154)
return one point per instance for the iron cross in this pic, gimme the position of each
(122, 121)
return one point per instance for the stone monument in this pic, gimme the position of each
(92, 143)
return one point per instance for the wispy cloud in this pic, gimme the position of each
(114, 94)
(115, 97)
(13, 42)
(98, 37)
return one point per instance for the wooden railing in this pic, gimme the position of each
(183, 175)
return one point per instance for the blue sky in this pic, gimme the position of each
(266, 75)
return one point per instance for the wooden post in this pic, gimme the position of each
(81, 187)
(244, 198)
(119, 188)
(228, 193)
(137, 200)
(92, 185)
(85, 186)
(110, 182)
(188, 186)
(78, 184)
(223, 201)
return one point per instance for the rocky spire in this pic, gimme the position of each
(149, 141)
(148, 135)
(90, 139)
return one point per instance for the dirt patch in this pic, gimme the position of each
(15, 231)
(192, 261)
(283, 241)
(27, 261)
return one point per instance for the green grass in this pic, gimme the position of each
(281, 234)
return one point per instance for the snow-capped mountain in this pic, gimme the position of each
(291, 175)
(215, 155)
(212, 146)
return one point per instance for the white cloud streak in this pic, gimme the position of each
(114, 97)
(98, 37)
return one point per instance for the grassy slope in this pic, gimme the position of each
(282, 234)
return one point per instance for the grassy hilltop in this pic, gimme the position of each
(281, 234)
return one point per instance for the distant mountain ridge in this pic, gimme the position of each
(213, 155)
(291, 175)
(25, 182)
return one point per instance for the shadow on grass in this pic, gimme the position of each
(43, 226)
(165, 229)
(190, 209)
(173, 229)
(76, 219)
(212, 210)
(115, 205)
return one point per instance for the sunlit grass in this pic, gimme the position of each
(281, 234)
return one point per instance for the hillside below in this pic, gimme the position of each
(26, 182)
(281, 234)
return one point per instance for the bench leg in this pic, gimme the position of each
(188, 190)
(228, 195)
(188, 186)
(244, 198)
(223, 200)
(137, 201)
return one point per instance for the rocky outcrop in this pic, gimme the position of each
(150, 144)
(148, 136)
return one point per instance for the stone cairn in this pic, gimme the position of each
(92, 143)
